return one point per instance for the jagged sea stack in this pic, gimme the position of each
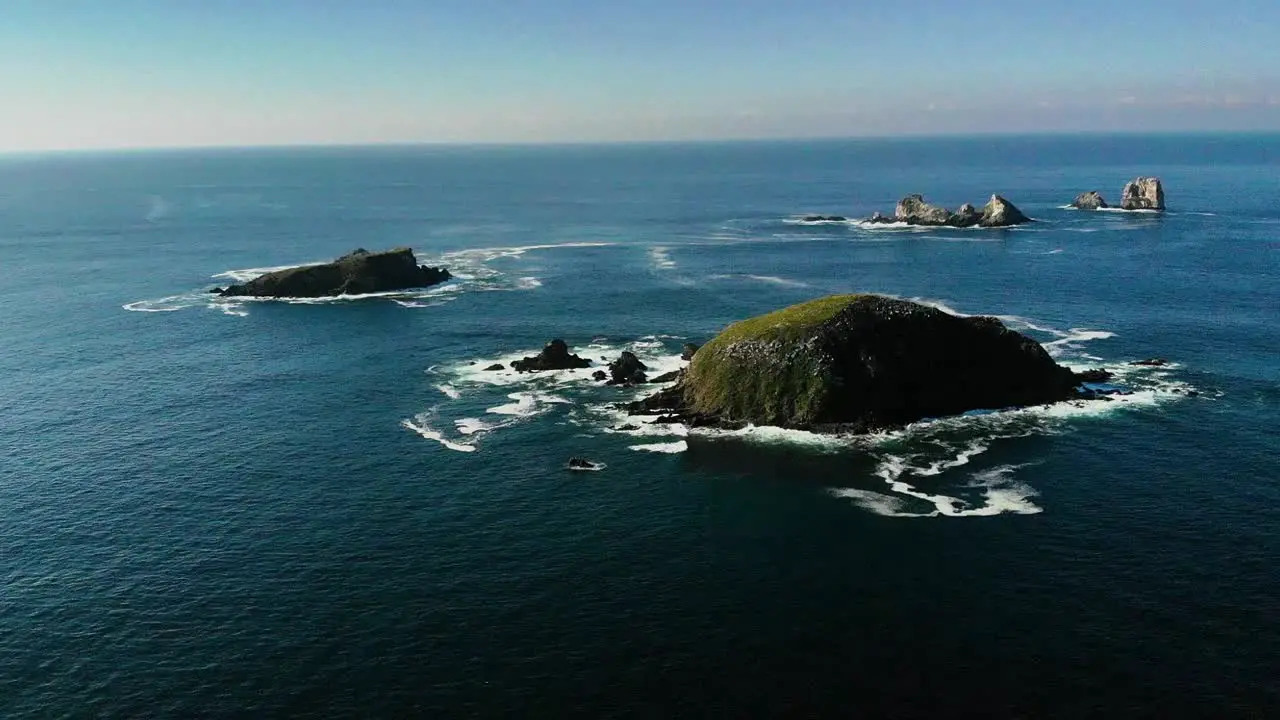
(1144, 193)
(913, 210)
(1001, 213)
(358, 273)
(1091, 200)
(860, 363)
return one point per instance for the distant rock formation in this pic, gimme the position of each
(1001, 213)
(555, 356)
(914, 210)
(1144, 193)
(966, 216)
(824, 218)
(1091, 200)
(358, 273)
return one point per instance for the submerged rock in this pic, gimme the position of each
(1097, 375)
(1001, 213)
(913, 210)
(495, 367)
(599, 376)
(1144, 193)
(880, 218)
(824, 218)
(581, 463)
(358, 273)
(860, 363)
(1150, 362)
(555, 356)
(1091, 200)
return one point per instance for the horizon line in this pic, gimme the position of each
(393, 144)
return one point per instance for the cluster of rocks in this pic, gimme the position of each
(627, 370)
(1144, 193)
(357, 273)
(914, 210)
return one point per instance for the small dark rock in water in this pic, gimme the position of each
(495, 367)
(357, 273)
(824, 218)
(599, 375)
(217, 291)
(1151, 362)
(1091, 200)
(1096, 375)
(555, 356)
(880, 218)
(667, 377)
(669, 420)
(627, 428)
(688, 351)
(579, 463)
(1144, 193)
(627, 369)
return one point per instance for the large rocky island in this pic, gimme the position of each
(860, 363)
(357, 273)
(913, 210)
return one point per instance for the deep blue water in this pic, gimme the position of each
(269, 509)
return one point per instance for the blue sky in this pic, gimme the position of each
(146, 73)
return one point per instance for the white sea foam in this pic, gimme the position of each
(172, 303)
(770, 279)
(449, 391)
(671, 448)
(661, 258)
(159, 208)
(527, 404)
(419, 424)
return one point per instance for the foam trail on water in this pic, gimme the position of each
(672, 448)
(661, 258)
(419, 425)
(450, 391)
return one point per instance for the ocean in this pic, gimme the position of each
(226, 508)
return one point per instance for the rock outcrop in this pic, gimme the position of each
(824, 218)
(358, 273)
(555, 356)
(1144, 193)
(914, 210)
(1001, 213)
(627, 370)
(860, 363)
(966, 216)
(688, 351)
(1091, 200)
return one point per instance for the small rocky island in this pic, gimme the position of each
(913, 210)
(358, 273)
(1144, 193)
(860, 363)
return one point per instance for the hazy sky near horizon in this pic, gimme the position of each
(156, 73)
